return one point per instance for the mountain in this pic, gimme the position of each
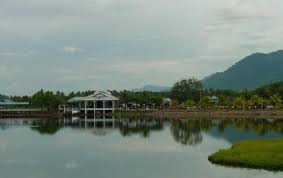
(253, 71)
(153, 88)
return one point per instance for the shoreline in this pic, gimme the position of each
(215, 113)
(168, 113)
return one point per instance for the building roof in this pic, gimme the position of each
(10, 102)
(97, 96)
(167, 101)
(214, 98)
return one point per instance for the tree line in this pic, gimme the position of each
(187, 93)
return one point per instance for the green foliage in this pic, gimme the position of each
(140, 98)
(190, 103)
(175, 103)
(3, 97)
(268, 90)
(261, 154)
(239, 102)
(185, 92)
(47, 99)
(205, 102)
(256, 101)
(187, 89)
(224, 100)
(276, 101)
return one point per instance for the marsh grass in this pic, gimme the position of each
(258, 154)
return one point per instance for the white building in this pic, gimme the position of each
(100, 102)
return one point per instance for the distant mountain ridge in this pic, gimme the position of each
(152, 88)
(253, 71)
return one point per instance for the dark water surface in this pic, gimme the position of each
(123, 148)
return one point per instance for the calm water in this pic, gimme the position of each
(142, 148)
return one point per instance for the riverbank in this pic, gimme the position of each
(261, 154)
(29, 113)
(162, 114)
(218, 113)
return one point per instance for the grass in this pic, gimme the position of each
(260, 154)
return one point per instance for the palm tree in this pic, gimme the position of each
(256, 101)
(223, 101)
(276, 101)
(190, 104)
(239, 102)
(174, 104)
(205, 102)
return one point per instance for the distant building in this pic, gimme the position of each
(101, 102)
(167, 101)
(7, 103)
(214, 100)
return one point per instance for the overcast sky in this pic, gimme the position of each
(122, 44)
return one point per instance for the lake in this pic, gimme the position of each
(126, 148)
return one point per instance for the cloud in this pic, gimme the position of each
(3, 147)
(8, 54)
(140, 67)
(110, 44)
(16, 162)
(19, 53)
(72, 49)
(241, 11)
(235, 12)
(71, 165)
(4, 69)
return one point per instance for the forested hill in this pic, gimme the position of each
(253, 71)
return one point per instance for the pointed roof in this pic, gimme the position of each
(214, 97)
(97, 96)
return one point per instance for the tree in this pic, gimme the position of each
(276, 101)
(224, 101)
(239, 102)
(190, 104)
(205, 102)
(187, 89)
(256, 102)
(47, 99)
(175, 104)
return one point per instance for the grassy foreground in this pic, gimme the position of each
(261, 154)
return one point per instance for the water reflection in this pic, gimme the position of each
(83, 147)
(260, 126)
(183, 131)
(49, 127)
(187, 132)
(143, 127)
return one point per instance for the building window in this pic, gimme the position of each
(90, 104)
(109, 104)
(99, 104)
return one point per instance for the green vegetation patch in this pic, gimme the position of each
(261, 154)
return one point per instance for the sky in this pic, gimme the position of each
(72, 45)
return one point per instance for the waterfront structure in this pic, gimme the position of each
(12, 109)
(167, 101)
(7, 103)
(101, 102)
